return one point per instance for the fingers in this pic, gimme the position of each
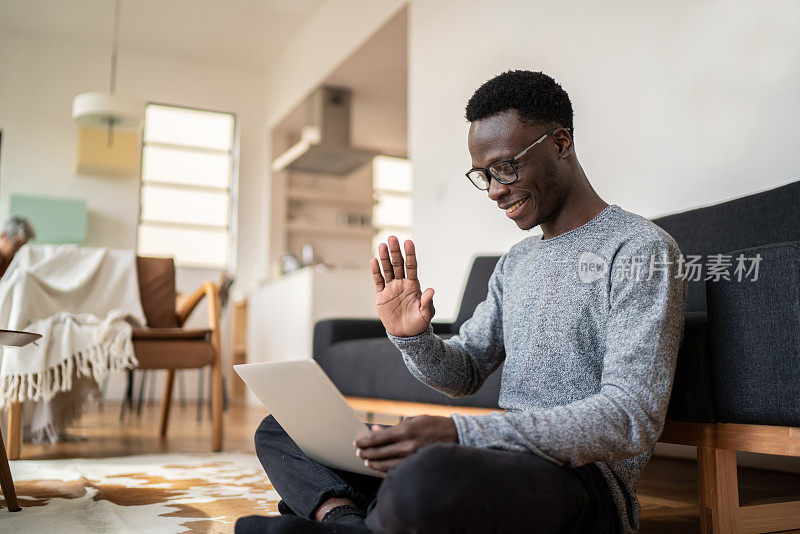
(411, 260)
(386, 264)
(398, 266)
(380, 437)
(400, 449)
(426, 304)
(381, 465)
(365, 433)
(377, 277)
(391, 263)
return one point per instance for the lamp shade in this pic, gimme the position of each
(98, 109)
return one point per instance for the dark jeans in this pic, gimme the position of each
(446, 488)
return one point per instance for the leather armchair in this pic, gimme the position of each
(166, 344)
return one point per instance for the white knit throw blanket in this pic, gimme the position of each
(83, 301)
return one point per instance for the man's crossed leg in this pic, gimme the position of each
(439, 489)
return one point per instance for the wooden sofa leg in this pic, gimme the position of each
(14, 430)
(718, 491)
(216, 406)
(166, 402)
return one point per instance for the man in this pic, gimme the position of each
(588, 339)
(16, 232)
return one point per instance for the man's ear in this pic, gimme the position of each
(563, 139)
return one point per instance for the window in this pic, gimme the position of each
(391, 185)
(185, 193)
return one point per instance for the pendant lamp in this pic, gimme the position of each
(110, 110)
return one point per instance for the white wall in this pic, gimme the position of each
(677, 105)
(40, 75)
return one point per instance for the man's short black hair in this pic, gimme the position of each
(536, 96)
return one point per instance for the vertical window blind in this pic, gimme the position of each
(185, 192)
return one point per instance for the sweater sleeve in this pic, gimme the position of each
(626, 416)
(458, 366)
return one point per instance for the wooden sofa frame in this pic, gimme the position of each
(717, 483)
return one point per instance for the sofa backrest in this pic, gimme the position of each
(157, 291)
(476, 289)
(759, 219)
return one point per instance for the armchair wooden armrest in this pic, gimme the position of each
(187, 304)
(185, 307)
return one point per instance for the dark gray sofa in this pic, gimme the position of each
(362, 362)
(740, 358)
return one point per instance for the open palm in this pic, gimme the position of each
(402, 307)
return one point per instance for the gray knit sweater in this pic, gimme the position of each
(589, 333)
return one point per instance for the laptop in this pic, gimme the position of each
(310, 409)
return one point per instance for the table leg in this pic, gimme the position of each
(6, 482)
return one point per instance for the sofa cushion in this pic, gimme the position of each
(476, 289)
(736, 224)
(755, 340)
(692, 390)
(374, 367)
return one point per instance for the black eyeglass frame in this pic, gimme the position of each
(512, 161)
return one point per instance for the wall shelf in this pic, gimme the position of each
(314, 197)
(312, 209)
(331, 231)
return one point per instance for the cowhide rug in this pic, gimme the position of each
(150, 493)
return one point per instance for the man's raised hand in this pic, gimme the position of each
(403, 308)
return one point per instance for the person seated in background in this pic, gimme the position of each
(16, 232)
(588, 337)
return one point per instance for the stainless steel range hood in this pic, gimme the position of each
(324, 145)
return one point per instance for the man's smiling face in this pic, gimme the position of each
(539, 192)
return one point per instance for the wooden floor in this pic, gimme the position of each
(667, 488)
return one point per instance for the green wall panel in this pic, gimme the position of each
(55, 220)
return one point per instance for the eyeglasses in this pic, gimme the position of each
(504, 171)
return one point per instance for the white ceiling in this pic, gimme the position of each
(245, 33)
